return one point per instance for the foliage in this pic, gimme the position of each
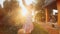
(39, 4)
(10, 18)
(38, 29)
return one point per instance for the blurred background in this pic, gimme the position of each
(33, 16)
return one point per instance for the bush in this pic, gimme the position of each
(38, 29)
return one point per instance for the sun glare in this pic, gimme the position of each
(28, 2)
(32, 13)
(24, 9)
(24, 12)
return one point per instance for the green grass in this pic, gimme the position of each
(38, 29)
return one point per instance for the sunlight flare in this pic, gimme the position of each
(28, 2)
(24, 9)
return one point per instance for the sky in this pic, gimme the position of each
(1, 2)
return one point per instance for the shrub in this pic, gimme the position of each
(38, 29)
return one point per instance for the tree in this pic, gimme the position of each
(39, 4)
(39, 8)
(11, 17)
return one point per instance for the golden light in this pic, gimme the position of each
(33, 13)
(33, 16)
(24, 9)
(24, 12)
